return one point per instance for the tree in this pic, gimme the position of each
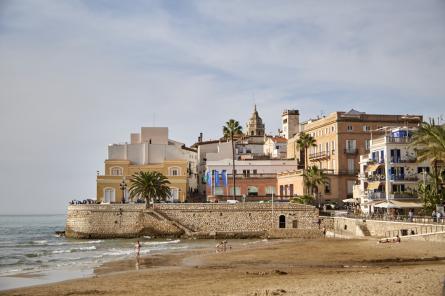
(304, 142)
(429, 143)
(313, 177)
(231, 129)
(149, 185)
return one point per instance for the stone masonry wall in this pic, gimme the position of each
(133, 220)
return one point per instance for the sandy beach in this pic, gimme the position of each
(276, 267)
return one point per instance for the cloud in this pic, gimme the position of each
(78, 75)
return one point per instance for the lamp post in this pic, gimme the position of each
(123, 186)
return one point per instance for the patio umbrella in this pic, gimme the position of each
(350, 200)
(387, 205)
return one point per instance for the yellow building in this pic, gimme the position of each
(151, 150)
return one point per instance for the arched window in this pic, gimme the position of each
(116, 171)
(174, 171)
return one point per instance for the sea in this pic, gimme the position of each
(32, 254)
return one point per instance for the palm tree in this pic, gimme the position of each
(304, 142)
(313, 177)
(231, 129)
(149, 185)
(429, 143)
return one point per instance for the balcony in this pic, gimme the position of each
(319, 155)
(348, 172)
(402, 195)
(351, 151)
(398, 140)
(399, 160)
(376, 195)
(373, 178)
(404, 178)
(251, 175)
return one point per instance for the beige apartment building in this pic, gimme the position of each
(341, 137)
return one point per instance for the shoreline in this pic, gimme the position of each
(284, 267)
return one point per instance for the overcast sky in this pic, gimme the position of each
(78, 75)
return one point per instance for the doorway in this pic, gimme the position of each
(282, 221)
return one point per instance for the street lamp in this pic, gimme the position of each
(123, 186)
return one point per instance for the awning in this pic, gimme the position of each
(407, 204)
(373, 167)
(374, 185)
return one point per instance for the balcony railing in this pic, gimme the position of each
(376, 195)
(398, 140)
(351, 151)
(404, 178)
(320, 155)
(399, 160)
(348, 172)
(373, 178)
(402, 195)
(251, 175)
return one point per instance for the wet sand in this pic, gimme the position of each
(291, 267)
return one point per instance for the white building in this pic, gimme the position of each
(152, 146)
(390, 171)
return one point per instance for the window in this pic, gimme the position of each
(367, 144)
(420, 170)
(366, 128)
(351, 166)
(332, 128)
(254, 172)
(351, 146)
(219, 191)
(285, 120)
(246, 173)
(333, 145)
(327, 188)
(349, 128)
(350, 186)
(252, 191)
(271, 190)
(174, 171)
(237, 191)
(116, 171)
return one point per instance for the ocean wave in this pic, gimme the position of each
(126, 252)
(39, 242)
(161, 243)
(72, 250)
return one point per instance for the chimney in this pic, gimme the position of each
(200, 138)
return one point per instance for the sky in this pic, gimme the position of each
(76, 76)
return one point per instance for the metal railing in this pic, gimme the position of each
(351, 151)
(322, 154)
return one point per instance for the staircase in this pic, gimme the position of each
(363, 229)
(161, 216)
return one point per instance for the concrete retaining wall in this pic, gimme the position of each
(381, 228)
(133, 220)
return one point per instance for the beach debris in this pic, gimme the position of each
(280, 272)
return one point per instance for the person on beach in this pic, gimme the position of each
(138, 248)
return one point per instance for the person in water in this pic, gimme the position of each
(138, 248)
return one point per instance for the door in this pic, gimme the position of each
(109, 195)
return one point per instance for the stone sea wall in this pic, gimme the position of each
(204, 220)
